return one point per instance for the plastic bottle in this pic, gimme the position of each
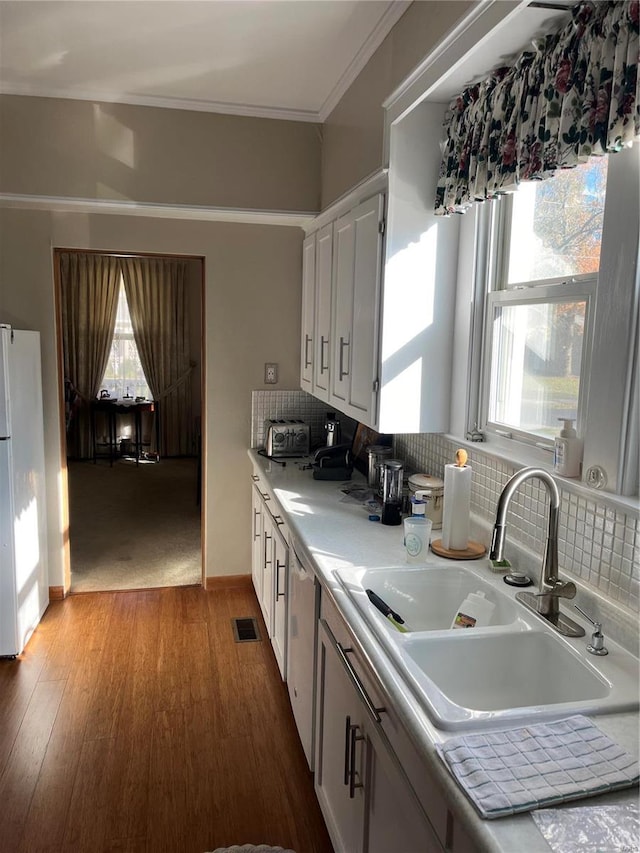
(474, 612)
(567, 451)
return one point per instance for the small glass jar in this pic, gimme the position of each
(433, 488)
(377, 454)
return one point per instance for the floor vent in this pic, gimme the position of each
(245, 630)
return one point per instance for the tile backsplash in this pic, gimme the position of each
(598, 542)
(286, 404)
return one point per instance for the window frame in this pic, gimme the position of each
(538, 294)
(610, 396)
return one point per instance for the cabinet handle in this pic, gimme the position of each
(353, 740)
(353, 675)
(256, 513)
(279, 566)
(255, 478)
(323, 341)
(307, 360)
(266, 562)
(347, 753)
(342, 371)
(278, 520)
(265, 496)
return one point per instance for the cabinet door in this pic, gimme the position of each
(395, 819)
(342, 310)
(302, 619)
(280, 601)
(308, 309)
(257, 547)
(341, 750)
(324, 275)
(367, 267)
(266, 599)
(355, 310)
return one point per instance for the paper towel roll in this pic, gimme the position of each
(457, 506)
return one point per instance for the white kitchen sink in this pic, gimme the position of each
(517, 669)
(427, 598)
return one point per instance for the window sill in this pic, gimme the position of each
(521, 455)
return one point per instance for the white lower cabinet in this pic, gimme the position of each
(269, 571)
(366, 799)
(280, 567)
(257, 545)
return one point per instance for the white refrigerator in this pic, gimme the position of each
(24, 590)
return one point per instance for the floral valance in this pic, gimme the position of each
(576, 94)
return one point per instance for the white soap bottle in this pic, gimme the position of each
(567, 451)
(474, 612)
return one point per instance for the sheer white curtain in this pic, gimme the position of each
(89, 291)
(155, 289)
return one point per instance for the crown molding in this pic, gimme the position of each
(119, 207)
(386, 23)
(192, 104)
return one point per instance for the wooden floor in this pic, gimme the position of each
(133, 722)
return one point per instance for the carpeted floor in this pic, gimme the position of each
(134, 527)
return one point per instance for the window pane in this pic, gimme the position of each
(124, 376)
(556, 226)
(535, 365)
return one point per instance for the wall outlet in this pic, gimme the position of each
(270, 374)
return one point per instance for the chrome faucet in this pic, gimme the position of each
(545, 602)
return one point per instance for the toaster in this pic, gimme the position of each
(286, 438)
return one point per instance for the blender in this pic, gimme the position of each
(392, 471)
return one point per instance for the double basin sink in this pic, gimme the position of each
(516, 669)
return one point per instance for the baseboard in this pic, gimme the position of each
(229, 582)
(56, 593)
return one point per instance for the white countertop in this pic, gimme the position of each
(335, 535)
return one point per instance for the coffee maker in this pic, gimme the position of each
(334, 461)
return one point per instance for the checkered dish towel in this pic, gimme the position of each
(517, 770)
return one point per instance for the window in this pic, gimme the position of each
(544, 263)
(555, 301)
(124, 376)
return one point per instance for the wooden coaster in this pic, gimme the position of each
(473, 551)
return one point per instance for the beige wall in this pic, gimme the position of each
(353, 133)
(252, 315)
(82, 149)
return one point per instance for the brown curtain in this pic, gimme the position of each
(89, 286)
(155, 289)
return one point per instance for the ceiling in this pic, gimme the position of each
(289, 59)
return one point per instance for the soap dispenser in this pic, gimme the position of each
(567, 451)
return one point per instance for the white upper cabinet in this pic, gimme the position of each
(356, 300)
(322, 328)
(308, 312)
(385, 292)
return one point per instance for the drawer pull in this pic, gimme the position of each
(279, 566)
(353, 675)
(342, 371)
(354, 738)
(307, 360)
(323, 341)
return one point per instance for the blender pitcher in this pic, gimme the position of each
(392, 471)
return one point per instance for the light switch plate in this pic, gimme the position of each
(270, 374)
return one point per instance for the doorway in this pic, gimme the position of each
(131, 466)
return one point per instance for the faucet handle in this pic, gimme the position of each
(561, 589)
(596, 646)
